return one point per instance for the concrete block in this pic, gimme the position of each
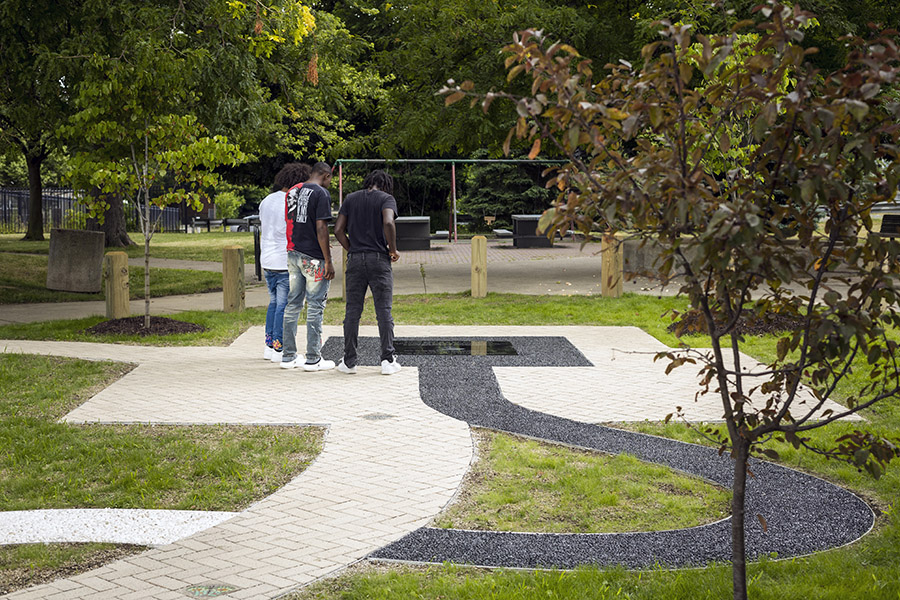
(76, 260)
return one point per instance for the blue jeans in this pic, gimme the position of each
(278, 284)
(369, 270)
(307, 281)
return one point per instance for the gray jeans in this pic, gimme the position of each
(307, 280)
(369, 270)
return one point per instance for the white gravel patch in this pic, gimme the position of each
(108, 525)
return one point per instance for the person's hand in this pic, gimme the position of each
(395, 256)
(329, 270)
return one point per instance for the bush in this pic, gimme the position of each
(228, 204)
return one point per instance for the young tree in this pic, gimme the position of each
(645, 149)
(137, 113)
(240, 61)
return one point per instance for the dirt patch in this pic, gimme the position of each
(692, 323)
(135, 326)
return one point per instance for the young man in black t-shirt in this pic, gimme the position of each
(310, 270)
(365, 228)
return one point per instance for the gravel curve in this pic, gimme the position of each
(803, 514)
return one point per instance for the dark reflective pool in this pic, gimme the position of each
(454, 348)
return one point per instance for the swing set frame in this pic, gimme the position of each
(452, 161)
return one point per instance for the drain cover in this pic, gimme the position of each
(377, 417)
(209, 590)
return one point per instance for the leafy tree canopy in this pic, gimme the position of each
(418, 45)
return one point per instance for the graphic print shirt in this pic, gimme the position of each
(306, 203)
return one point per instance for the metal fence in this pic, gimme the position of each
(61, 208)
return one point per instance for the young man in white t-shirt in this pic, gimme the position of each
(273, 254)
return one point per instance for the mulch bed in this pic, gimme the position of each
(135, 326)
(692, 323)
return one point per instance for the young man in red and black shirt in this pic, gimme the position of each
(307, 213)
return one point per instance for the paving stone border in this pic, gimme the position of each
(803, 513)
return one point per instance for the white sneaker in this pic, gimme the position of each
(276, 356)
(345, 369)
(289, 364)
(322, 365)
(389, 368)
(267, 353)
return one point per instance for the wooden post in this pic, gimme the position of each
(116, 269)
(233, 278)
(479, 266)
(611, 266)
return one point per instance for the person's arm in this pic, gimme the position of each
(340, 232)
(322, 236)
(390, 233)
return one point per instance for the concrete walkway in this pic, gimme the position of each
(389, 464)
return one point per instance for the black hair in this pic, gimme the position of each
(321, 168)
(381, 180)
(291, 174)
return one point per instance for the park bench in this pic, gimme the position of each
(208, 223)
(240, 224)
(503, 233)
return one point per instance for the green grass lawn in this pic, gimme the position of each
(646, 312)
(182, 246)
(866, 569)
(49, 464)
(23, 278)
(576, 491)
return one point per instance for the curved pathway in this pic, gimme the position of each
(390, 463)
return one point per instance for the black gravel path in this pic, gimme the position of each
(803, 514)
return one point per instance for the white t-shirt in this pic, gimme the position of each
(273, 232)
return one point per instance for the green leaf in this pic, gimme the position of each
(858, 109)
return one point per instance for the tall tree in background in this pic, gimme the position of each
(503, 189)
(35, 91)
(645, 147)
(418, 45)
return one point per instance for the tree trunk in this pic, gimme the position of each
(113, 225)
(738, 497)
(35, 197)
(148, 231)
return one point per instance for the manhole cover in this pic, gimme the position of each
(209, 590)
(377, 417)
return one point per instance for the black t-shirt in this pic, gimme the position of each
(365, 223)
(306, 203)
